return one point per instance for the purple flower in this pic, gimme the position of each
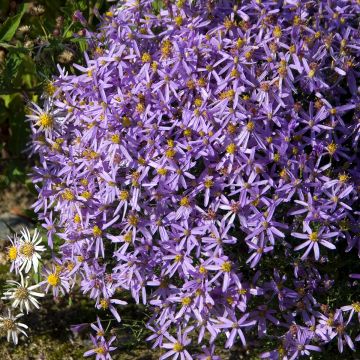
(299, 346)
(102, 348)
(194, 145)
(235, 325)
(177, 346)
(314, 238)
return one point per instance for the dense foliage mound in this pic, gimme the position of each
(205, 160)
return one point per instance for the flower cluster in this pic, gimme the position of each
(24, 254)
(205, 160)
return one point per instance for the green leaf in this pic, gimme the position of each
(82, 42)
(9, 27)
(157, 5)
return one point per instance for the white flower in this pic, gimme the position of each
(44, 118)
(22, 295)
(12, 327)
(29, 250)
(47, 118)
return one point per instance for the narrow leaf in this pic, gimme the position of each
(11, 24)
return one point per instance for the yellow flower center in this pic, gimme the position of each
(170, 153)
(311, 73)
(8, 324)
(115, 138)
(234, 73)
(226, 266)
(126, 122)
(229, 94)
(231, 148)
(229, 300)
(128, 237)
(198, 102)
(12, 253)
(208, 183)
(240, 42)
(250, 126)
(104, 303)
(100, 350)
(277, 32)
(86, 194)
(185, 201)
(68, 195)
(146, 57)
(50, 88)
(228, 24)
(97, 231)
(178, 258)
(332, 148)
(166, 48)
(202, 82)
(343, 178)
(46, 120)
(53, 279)
(313, 236)
(178, 20)
(27, 250)
(140, 108)
(178, 347)
(162, 171)
(356, 306)
(124, 195)
(186, 301)
(202, 270)
(133, 220)
(21, 293)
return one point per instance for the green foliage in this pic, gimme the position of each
(157, 6)
(34, 38)
(9, 27)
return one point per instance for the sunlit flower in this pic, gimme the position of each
(30, 249)
(22, 295)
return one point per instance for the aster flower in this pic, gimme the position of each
(339, 331)
(209, 353)
(236, 325)
(55, 280)
(353, 308)
(300, 345)
(9, 323)
(29, 250)
(105, 304)
(190, 136)
(22, 295)
(102, 348)
(177, 346)
(314, 238)
(100, 332)
(261, 315)
(46, 118)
